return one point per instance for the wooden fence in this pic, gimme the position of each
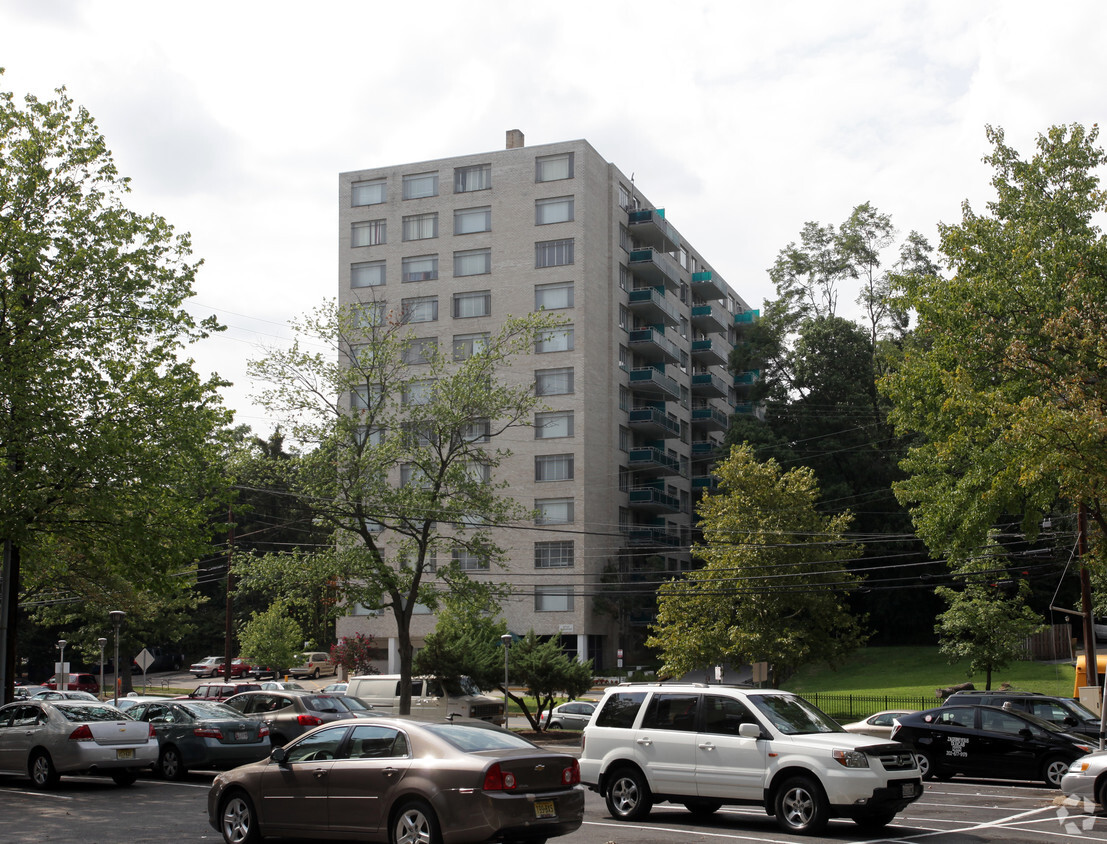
(1055, 642)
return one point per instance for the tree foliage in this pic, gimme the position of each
(774, 578)
(402, 444)
(546, 672)
(108, 437)
(465, 643)
(272, 638)
(355, 653)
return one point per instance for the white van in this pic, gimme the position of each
(428, 698)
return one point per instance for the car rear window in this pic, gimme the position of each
(81, 714)
(471, 739)
(620, 709)
(328, 703)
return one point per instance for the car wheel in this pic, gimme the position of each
(414, 823)
(628, 795)
(124, 776)
(801, 806)
(554, 725)
(315, 674)
(237, 820)
(1052, 770)
(41, 770)
(170, 765)
(926, 765)
(702, 807)
(875, 820)
(1101, 795)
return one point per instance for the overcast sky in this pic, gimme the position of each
(741, 119)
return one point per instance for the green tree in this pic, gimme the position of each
(774, 577)
(1004, 380)
(108, 437)
(403, 443)
(546, 672)
(465, 643)
(272, 638)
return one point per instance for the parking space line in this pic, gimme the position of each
(703, 833)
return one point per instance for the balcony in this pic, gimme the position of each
(648, 499)
(708, 286)
(655, 268)
(709, 418)
(651, 344)
(705, 483)
(653, 422)
(647, 381)
(710, 352)
(710, 319)
(654, 460)
(746, 407)
(747, 317)
(709, 385)
(649, 226)
(706, 449)
(650, 304)
(649, 535)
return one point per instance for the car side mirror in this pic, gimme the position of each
(1071, 721)
(1025, 733)
(748, 730)
(279, 755)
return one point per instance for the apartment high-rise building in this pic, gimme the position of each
(636, 389)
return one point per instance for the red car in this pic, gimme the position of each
(76, 682)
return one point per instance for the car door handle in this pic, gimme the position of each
(645, 741)
(319, 773)
(706, 746)
(390, 771)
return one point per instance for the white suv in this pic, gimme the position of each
(704, 746)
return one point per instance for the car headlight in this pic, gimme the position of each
(850, 758)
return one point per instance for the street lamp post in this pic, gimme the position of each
(63, 675)
(101, 642)
(116, 617)
(506, 639)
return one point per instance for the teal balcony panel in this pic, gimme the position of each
(708, 384)
(710, 319)
(651, 344)
(708, 285)
(647, 381)
(649, 226)
(655, 268)
(711, 351)
(652, 305)
(653, 421)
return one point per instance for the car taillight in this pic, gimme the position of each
(309, 720)
(82, 733)
(207, 732)
(496, 779)
(153, 733)
(571, 775)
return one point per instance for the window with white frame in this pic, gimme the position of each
(481, 473)
(412, 475)
(419, 309)
(419, 434)
(365, 398)
(558, 209)
(467, 345)
(420, 350)
(369, 314)
(553, 253)
(624, 277)
(479, 431)
(472, 262)
(553, 511)
(624, 318)
(367, 274)
(624, 239)
(624, 397)
(368, 192)
(553, 424)
(553, 467)
(551, 168)
(472, 220)
(555, 340)
(475, 303)
(553, 555)
(418, 185)
(554, 382)
(420, 268)
(471, 178)
(624, 357)
(368, 233)
(415, 393)
(468, 560)
(624, 196)
(368, 437)
(549, 598)
(552, 297)
(421, 226)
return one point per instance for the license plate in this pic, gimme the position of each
(908, 789)
(241, 735)
(129, 753)
(545, 809)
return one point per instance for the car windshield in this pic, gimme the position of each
(794, 715)
(1079, 710)
(1048, 726)
(201, 709)
(81, 714)
(331, 703)
(468, 687)
(471, 738)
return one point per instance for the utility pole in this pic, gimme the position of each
(228, 630)
(1091, 663)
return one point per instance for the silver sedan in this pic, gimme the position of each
(1086, 778)
(43, 739)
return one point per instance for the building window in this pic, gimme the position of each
(624, 397)
(369, 315)
(624, 479)
(420, 350)
(553, 425)
(555, 340)
(552, 297)
(470, 220)
(550, 168)
(624, 318)
(624, 196)
(553, 467)
(367, 274)
(368, 233)
(412, 475)
(556, 210)
(474, 177)
(468, 561)
(554, 382)
(624, 277)
(553, 253)
(473, 262)
(624, 357)
(624, 239)
(624, 438)
(476, 303)
(553, 598)
(553, 555)
(416, 393)
(365, 398)
(553, 511)
(420, 268)
(467, 345)
(421, 226)
(420, 184)
(368, 193)
(479, 431)
(419, 309)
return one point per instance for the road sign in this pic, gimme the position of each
(144, 660)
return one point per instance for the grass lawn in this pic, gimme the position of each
(919, 670)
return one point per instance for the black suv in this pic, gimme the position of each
(1066, 713)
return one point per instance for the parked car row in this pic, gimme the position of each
(311, 664)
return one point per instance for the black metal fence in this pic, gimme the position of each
(850, 707)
